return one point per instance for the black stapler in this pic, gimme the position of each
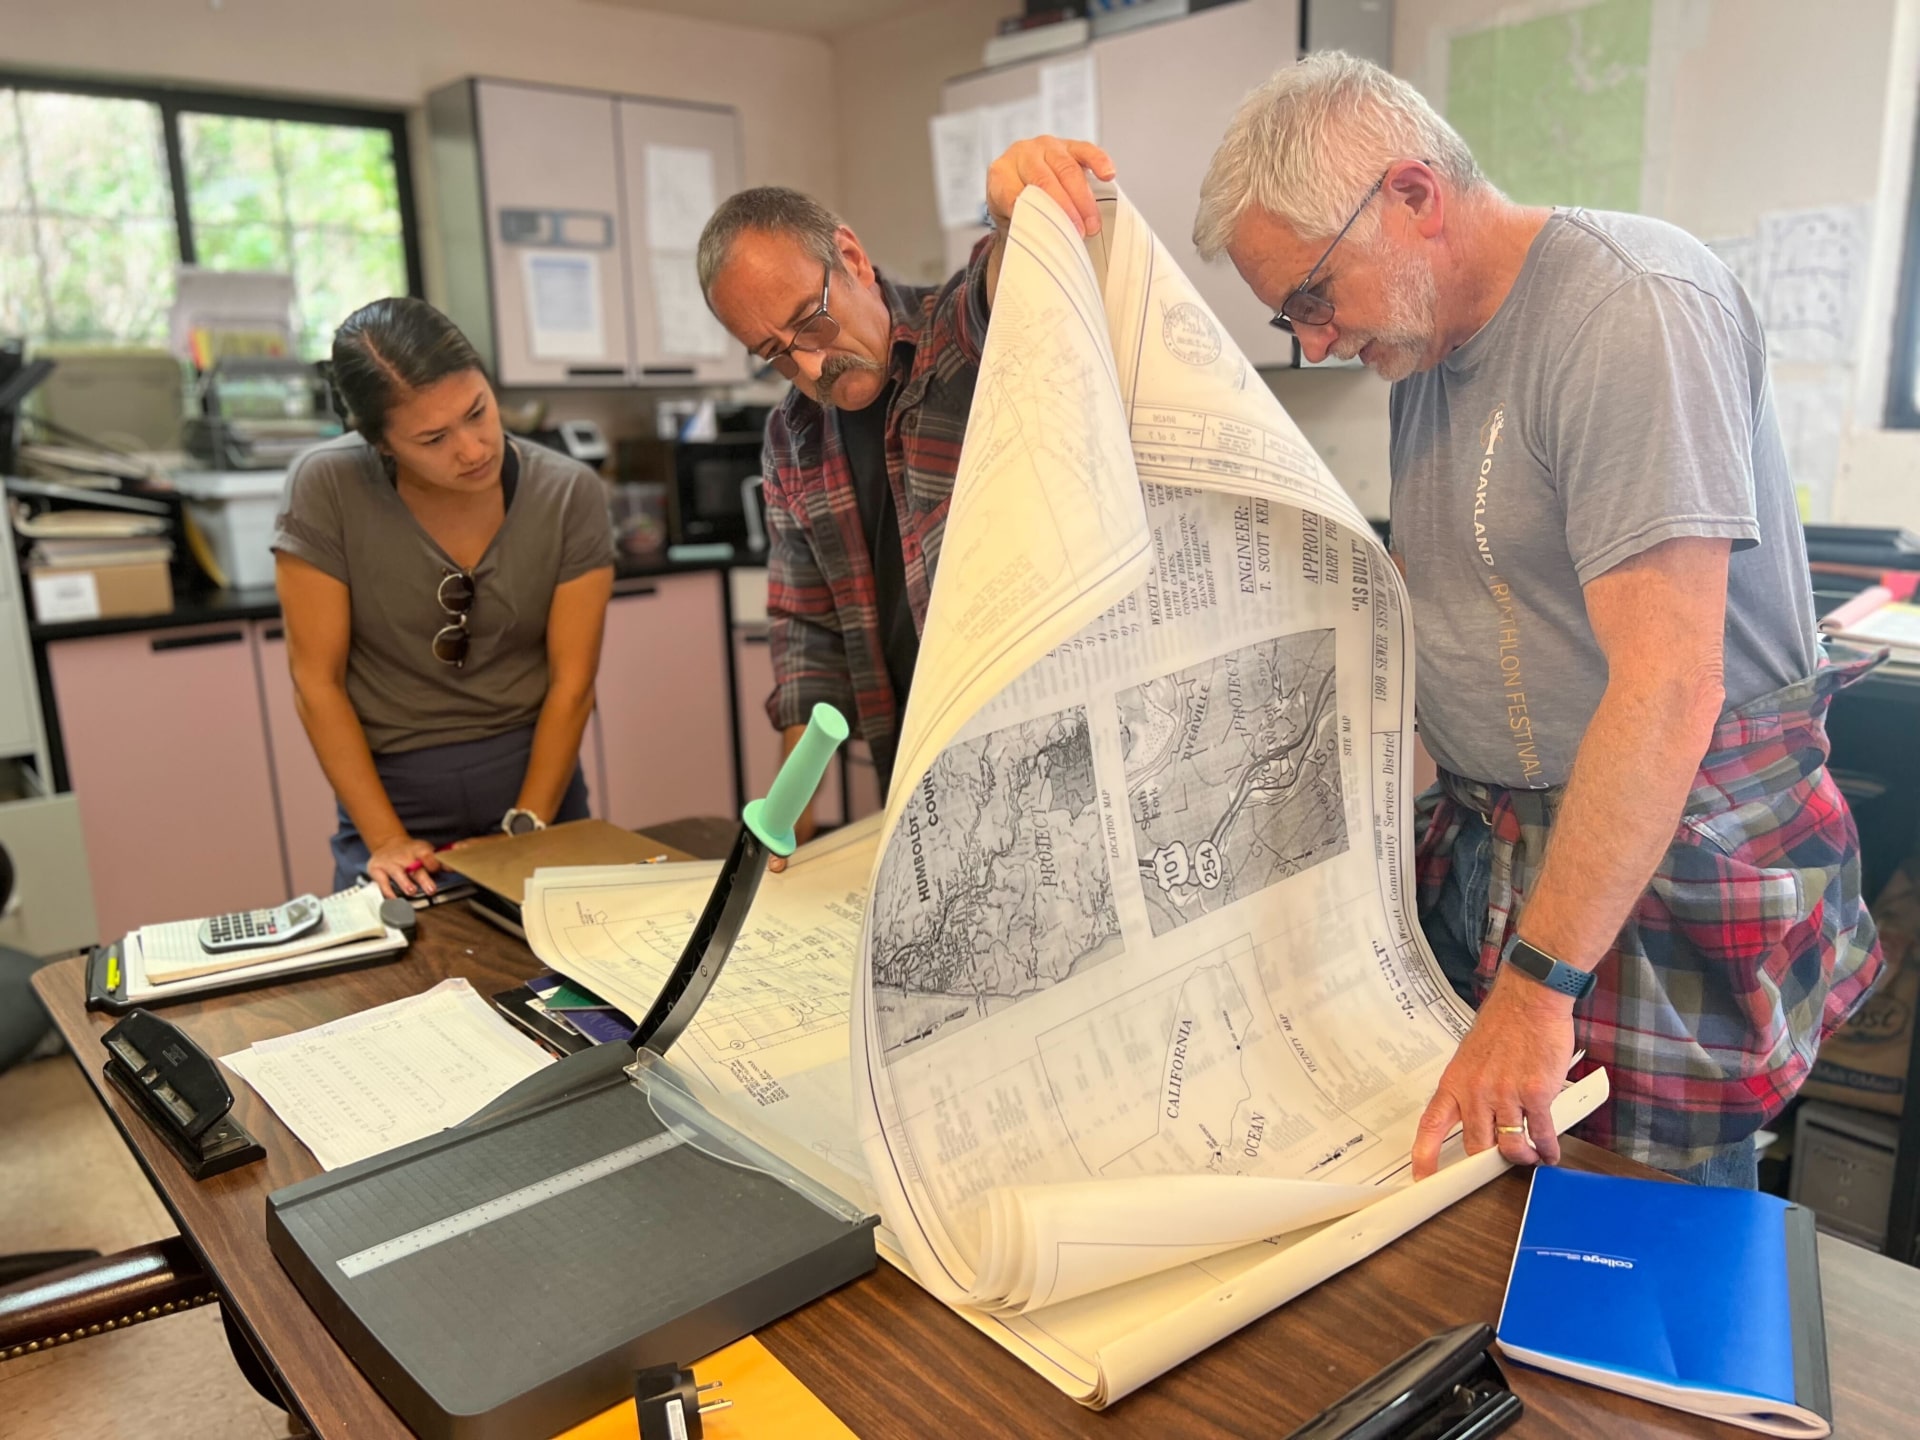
(178, 1090)
(1446, 1388)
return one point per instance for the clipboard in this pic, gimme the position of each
(500, 867)
(115, 986)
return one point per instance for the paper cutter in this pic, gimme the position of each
(507, 1277)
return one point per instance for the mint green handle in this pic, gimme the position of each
(772, 818)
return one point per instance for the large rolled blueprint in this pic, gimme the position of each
(1142, 909)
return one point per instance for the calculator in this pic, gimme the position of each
(246, 929)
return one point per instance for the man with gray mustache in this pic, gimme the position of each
(860, 456)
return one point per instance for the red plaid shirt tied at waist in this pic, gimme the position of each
(824, 624)
(1749, 947)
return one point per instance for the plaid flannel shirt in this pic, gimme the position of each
(1751, 945)
(824, 623)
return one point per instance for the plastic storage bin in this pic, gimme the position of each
(234, 509)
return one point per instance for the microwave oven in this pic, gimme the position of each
(716, 493)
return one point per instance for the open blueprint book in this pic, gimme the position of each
(1126, 1026)
(1142, 909)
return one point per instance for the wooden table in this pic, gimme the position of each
(889, 1360)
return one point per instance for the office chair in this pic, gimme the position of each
(53, 1297)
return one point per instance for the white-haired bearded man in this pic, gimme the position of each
(1636, 848)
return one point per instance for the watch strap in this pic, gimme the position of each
(1541, 967)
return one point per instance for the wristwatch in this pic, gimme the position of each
(1536, 964)
(521, 822)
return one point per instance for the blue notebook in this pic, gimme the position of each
(1701, 1298)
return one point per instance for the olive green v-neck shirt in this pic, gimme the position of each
(341, 514)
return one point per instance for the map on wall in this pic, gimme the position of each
(1554, 105)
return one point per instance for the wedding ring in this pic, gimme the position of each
(1510, 1129)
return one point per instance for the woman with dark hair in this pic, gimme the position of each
(444, 590)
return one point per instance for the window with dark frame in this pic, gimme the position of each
(105, 188)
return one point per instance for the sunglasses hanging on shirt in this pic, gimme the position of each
(451, 643)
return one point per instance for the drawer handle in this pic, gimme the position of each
(643, 591)
(596, 372)
(197, 642)
(274, 632)
(756, 639)
(666, 369)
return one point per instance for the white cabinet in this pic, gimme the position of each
(550, 157)
(652, 132)
(555, 266)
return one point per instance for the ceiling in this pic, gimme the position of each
(797, 17)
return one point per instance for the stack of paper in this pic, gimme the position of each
(1874, 617)
(172, 952)
(390, 1075)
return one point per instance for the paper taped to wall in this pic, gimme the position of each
(564, 316)
(680, 196)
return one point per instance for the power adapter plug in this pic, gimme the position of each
(669, 1403)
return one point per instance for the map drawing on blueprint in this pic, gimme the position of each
(1015, 897)
(783, 983)
(1181, 1075)
(1233, 774)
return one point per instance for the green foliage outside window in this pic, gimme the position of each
(89, 238)
(317, 201)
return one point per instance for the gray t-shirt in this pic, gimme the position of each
(343, 516)
(1618, 398)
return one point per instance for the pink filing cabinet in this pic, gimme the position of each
(666, 734)
(168, 762)
(759, 741)
(308, 816)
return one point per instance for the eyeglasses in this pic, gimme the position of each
(455, 595)
(816, 332)
(1303, 307)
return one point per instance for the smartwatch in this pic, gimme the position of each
(1536, 964)
(521, 822)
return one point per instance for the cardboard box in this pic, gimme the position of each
(1864, 1063)
(100, 592)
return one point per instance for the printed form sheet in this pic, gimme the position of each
(1141, 909)
(768, 1047)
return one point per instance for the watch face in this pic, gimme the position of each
(520, 824)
